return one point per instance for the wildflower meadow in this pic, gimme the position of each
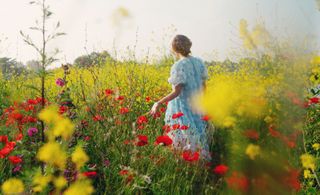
(85, 128)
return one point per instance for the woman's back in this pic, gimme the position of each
(191, 72)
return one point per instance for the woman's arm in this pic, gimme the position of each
(175, 93)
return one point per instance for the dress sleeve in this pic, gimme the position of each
(177, 75)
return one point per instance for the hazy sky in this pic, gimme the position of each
(212, 25)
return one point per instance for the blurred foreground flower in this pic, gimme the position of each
(12, 186)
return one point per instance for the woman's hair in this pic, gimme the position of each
(182, 45)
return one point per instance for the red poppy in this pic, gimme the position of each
(63, 109)
(177, 115)
(205, 118)
(90, 174)
(162, 109)
(190, 156)
(221, 169)
(164, 139)
(274, 133)
(119, 98)
(166, 128)
(126, 142)
(31, 119)
(184, 127)
(142, 120)
(148, 99)
(251, 133)
(175, 126)
(238, 182)
(142, 140)
(157, 115)
(108, 92)
(15, 159)
(19, 137)
(292, 179)
(98, 118)
(314, 100)
(86, 138)
(124, 110)
(123, 172)
(32, 101)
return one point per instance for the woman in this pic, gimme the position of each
(187, 77)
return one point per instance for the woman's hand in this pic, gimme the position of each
(154, 108)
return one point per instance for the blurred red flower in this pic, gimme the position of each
(184, 127)
(292, 179)
(190, 156)
(177, 115)
(108, 92)
(314, 100)
(123, 172)
(274, 133)
(238, 182)
(124, 110)
(142, 120)
(251, 133)
(175, 126)
(205, 118)
(142, 140)
(164, 139)
(221, 169)
(15, 159)
(148, 99)
(90, 174)
(98, 118)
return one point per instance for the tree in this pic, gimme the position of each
(45, 58)
(93, 59)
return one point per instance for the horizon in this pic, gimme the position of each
(115, 26)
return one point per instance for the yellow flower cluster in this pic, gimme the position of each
(308, 161)
(61, 126)
(12, 186)
(79, 157)
(252, 151)
(229, 96)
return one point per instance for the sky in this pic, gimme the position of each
(146, 27)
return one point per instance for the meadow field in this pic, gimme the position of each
(79, 130)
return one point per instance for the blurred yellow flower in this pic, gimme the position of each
(64, 128)
(53, 154)
(307, 174)
(60, 182)
(12, 186)
(252, 151)
(40, 182)
(80, 187)
(79, 157)
(308, 161)
(50, 114)
(316, 146)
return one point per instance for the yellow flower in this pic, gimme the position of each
(80, 187)
(79, 157)
(50, 115)
(316, 146)
(52, 154)
(308, 161)
(268, 119)
(307, 174)
(12, 186)
(252, 151)
(64, 128)
(60, 182)
(315, 60)
(40, 182)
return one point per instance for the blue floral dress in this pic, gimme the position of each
(191, 72)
